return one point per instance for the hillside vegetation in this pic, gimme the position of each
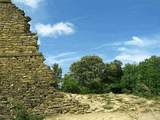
(91, 75)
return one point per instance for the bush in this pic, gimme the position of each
(116, 88)
(84, 90)
(22, 114)
(73, 86)
(96, 86)
(70, 85)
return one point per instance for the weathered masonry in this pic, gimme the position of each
(23, 75)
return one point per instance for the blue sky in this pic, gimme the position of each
(127, 30)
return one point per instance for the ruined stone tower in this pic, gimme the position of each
(23, 75)
(21, 65)
(19, 56)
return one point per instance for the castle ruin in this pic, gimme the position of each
(23, 75)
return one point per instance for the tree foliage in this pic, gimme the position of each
(57, 74)
(70, 84)
(112, 72)
(91, 75)
(144, 78)
(128, 81)
(149, 76)
(87, 70)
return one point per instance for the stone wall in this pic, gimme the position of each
(23, 75)
(20, 60)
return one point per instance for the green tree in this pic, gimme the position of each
(112, 72)
(92, 75)
(143, 79)
(149, 76)
(88, 69)
(70, 84)
(116, 70)
(129, 78)
(57, 74)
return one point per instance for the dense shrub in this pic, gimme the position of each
(22, 114)
(70, 84)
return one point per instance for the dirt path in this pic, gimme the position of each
(110, 116)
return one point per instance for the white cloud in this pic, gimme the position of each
(131, 58)
(129, 50)
(64, 54)
(51, 60)
(61, 58)
(30, 3)
(108, 44)
(137, 49)
(55, 30)
(143, 42)
(136, 41)
(121, 49)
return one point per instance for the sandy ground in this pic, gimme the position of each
(110, 116)
(117, 103)
(114, 107)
